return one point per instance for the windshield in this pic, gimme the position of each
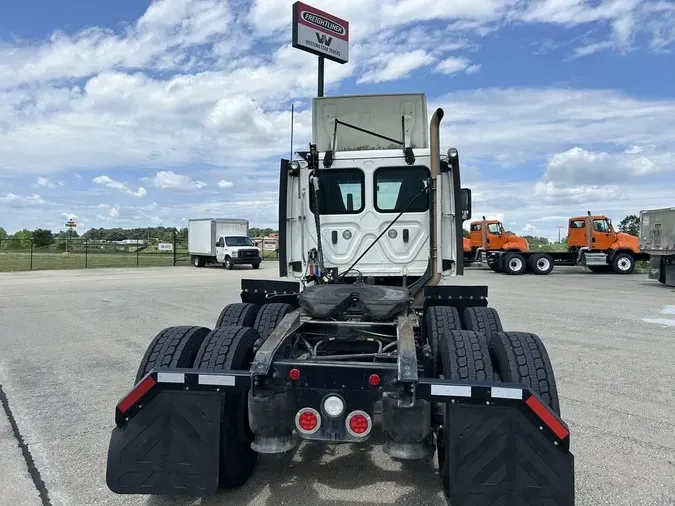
(238, 241)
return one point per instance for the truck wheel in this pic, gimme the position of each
(437, 321)
(197, 261)
(495, 267)
(255, 266)
(521, 357)
(228, 349)
(623, 263)
(541, 264)
(172, 347)
(514, 264)
(463, 355)
(239, 314)
(483, 320)
(269, 317)
(228, 263)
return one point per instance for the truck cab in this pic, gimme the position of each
(237, 250)
(356, 186)
(603, 235)
(490, 234)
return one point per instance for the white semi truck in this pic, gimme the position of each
(657, 239)
(223, 241)
(370, 312)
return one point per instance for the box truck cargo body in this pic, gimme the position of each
(221, 240)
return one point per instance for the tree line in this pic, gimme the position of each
(42, 238)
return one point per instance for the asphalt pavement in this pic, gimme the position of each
(71, 341)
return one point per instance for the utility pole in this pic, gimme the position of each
(559, 227)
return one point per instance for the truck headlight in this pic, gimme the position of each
(235, 253)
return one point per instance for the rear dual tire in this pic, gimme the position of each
(540, 264)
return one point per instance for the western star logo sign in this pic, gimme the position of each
(323, 39)
(324, 23)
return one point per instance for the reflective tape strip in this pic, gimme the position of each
(170, 377)
(210, 379)
(451, 391)
(507, 393)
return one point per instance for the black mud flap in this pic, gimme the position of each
(505, 455)
(171, 446)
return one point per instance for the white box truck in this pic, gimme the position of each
(223, 241)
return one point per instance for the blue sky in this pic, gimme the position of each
(138, 113)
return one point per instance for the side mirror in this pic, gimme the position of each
(465, 195)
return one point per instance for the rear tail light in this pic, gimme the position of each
(308, 421)
(359, 423)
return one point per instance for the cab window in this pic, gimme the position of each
(494, 228)
(341, 191)
(577, 224)
(396, 187)
(601, 226)
(475, 228)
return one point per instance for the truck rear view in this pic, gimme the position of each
(657, 239)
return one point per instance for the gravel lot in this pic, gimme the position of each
(70, 343)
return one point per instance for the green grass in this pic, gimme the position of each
(21, 260)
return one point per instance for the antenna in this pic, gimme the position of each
(292, 112)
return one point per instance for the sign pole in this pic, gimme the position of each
(320, 80)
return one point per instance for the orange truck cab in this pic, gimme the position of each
(596, 235)
(489, 235)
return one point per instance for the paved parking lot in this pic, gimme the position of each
(70, 343)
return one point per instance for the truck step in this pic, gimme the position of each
(595, 259)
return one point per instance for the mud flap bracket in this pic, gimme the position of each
(170, 448)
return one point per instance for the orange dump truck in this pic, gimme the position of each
(592, 242)
(489, 235)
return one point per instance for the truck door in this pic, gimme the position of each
(220, 249)
(602, 234)
(476, 235)
(495, 236)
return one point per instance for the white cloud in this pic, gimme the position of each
(117, 185)
(44, 182)
(14, 200)
(390, 67)
(454, 64)
(225, 184)
(528, 228)
(168, 180)
(579, 165)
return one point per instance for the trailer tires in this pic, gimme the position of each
(623, 263)
(540, 264)
(484, 320)
(172, 347)
(521, 357)
(269, 316)
(437, 321)
(239, 314)
(225, 349)
(197, 261)
(514, 264)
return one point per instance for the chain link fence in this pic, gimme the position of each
(77, 253)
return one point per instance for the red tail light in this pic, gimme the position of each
(294, 374)
(308, 421)
(359, 423)
(374, 380)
